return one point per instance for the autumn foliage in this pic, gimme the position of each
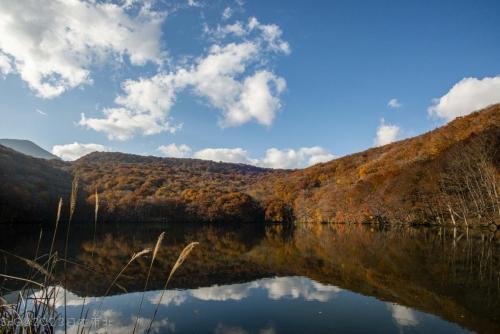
(413, 180)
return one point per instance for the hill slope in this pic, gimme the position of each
(400, 181)
(133, 187)
(27, 147)
(449, 174)
(30, 187)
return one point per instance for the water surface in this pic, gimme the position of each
(276, 279)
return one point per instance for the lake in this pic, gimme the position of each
(265, 278)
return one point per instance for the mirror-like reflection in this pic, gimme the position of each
(280, 279)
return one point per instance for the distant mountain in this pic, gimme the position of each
(28, 147)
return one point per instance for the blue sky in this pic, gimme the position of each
(271, 83)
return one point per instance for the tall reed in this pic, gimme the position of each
(72, 206)
(155, 252)
(182, 257)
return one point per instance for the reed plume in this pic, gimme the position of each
(155, 252)
(134, 257)
(96, 212)
(72, 206)
(180, 260)
(58, 218)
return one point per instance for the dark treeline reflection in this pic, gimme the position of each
(452, 273)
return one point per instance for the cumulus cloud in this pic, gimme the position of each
(290, 158)
(227, 13)
(230, 77)
(274, 158)
(466, 96)
(394, 103)
(386, 134)
(174, 151)
(5, 64)
(193, 3)
(234, 155)
(142, 109)
(271, 34)
(54, 44)
(76, 150)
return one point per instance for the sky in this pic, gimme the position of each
(270, 83)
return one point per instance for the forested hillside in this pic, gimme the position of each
(450, 174)
(30, 187)
(134, 187)
(453, 168)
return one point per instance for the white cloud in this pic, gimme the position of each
(394, 103)
(223, 77)
(193, 3)
(174, 151)
(227, 13)
(258, 100)
(54, 44)
(466, 96)
(216, 78)
(143, 109)
(76, 150)
(403, 315)
(41, 112)
(5, 64)
(386, 134)
(234, 155)
(289, 158)
(274, 158)
(270, 34)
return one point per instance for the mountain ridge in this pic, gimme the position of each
(27, 147)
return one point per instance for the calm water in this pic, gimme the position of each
(254, 279)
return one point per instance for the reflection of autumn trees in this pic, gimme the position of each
(427, 269)
(217, 259)
(451, 273)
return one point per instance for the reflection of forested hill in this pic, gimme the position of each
(454, 167)
(455, 277)
(459, 282)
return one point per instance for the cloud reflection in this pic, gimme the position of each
(275, 288)
(403, 315)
